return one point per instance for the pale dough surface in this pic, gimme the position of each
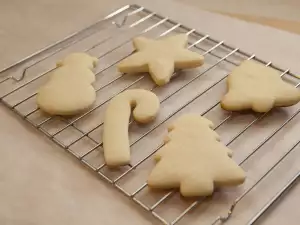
(115, 136)
(194, 160)
(255, 86)
(69, 90)
(85, 60)
(160, 57)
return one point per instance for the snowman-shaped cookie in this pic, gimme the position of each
(69, 90)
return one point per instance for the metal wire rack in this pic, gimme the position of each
(197, 90)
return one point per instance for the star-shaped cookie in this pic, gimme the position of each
(160, 57)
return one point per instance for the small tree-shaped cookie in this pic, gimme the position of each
(260, 88)
(194, 160)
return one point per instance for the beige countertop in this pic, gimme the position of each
(41, 184)
(281, 14)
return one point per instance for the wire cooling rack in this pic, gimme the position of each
(250, 135)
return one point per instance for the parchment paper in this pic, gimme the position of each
(42, 184)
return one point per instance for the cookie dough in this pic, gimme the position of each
(85, 60)
(69, 90)
(194, 160)
(115, 135)
(160, 57)
(255, 86)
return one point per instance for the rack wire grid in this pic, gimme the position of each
(250, 135)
